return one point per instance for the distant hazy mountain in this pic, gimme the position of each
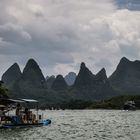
(11, 75)
(70, 78)
(126, 78)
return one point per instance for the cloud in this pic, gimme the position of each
(60, 34)
(14, 33)
(128, 4)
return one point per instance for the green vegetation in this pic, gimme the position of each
(115, 102)
(3, 91)
(112, 103)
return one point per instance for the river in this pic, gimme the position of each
(82, 125)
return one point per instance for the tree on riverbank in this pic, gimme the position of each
(3, 91)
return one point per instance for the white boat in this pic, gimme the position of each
(129, 105)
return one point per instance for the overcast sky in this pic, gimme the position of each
(60, 34)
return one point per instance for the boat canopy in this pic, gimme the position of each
(30, 100)
(2, 106)
(18, 100)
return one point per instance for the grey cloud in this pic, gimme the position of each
(14, 33)
(55, 57)
(103, 63)
(61, 34)
(130, 50)
(39, 14)
(128, 4)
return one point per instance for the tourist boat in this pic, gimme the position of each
(21, 120)
(129, 105)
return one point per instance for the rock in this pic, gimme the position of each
(126, 78)
(11, 75)
(84, 77)
(33, 74)
(59, 83)
(50, 81)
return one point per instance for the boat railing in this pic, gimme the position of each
(23, 118)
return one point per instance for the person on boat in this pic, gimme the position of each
(2, 111)
(26, 115)
(3, 116)
(18, 118)
(18, 108)
(34, 119)
(29, 117)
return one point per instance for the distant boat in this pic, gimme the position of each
(129, 105)
(25, 118)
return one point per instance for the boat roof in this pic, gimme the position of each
(19, 100)
(30, 100)
(16, 101)
(2, 106)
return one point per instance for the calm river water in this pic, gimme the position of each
(82, 125)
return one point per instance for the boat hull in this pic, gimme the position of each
(43, 123)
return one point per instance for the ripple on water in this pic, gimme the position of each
(82, 125)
